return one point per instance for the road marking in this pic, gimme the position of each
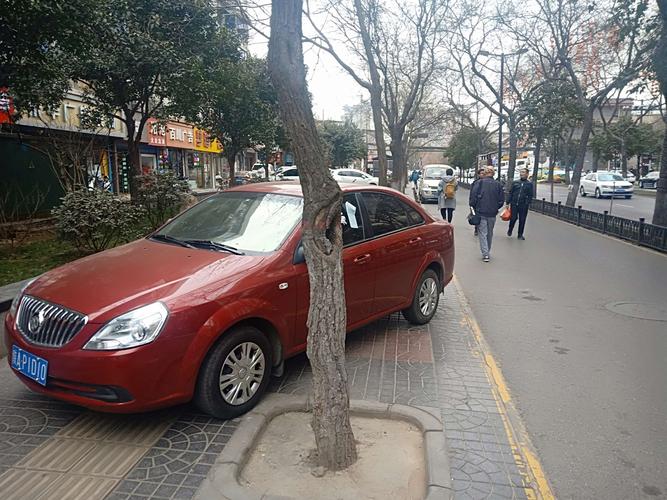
(626, 206)
(526, 459)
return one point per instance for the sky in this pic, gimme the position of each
(331, 87)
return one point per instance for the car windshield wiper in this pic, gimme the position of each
(171, 239)
(215, 245)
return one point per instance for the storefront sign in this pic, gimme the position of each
(203, 142)
(157, 133)
(180, 135)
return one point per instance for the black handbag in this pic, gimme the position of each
(473, 218)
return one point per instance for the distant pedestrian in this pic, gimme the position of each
(447, 195)
(414, 178)
(521, 193)
(487, 197)
(480, 173)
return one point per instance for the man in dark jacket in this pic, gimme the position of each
(480, 173)
(487, 197)
(519, 200)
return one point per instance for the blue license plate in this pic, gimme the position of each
(30, 365)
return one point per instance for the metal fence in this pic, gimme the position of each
(636, 231)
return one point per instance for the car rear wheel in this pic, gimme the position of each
(597, 193)
(582, 191)
(425, 301)
(234, 374)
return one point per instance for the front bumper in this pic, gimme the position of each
(428, 195)
(615, 192)
(126, 381)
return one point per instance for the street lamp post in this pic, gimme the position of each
(502, 56)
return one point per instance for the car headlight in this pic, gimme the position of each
(17, 299)
(138, 327)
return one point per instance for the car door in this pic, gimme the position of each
(359, 270)
(399, 247)
(589, 183)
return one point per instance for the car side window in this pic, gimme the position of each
(386, 213)
(352, 221)
(415, 217)
(354, 173)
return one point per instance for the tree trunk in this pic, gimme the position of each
(375, 90)
(536, 166)
(596, 161)
(660, 210)
(322, 241)
(512, 160)
(134, 161)
(231, 163)
(398, 163)
(624, 158)
(581, 155)
(376, 107)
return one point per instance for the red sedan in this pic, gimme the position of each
(212, 303)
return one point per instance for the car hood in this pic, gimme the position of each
(432, 183)
(109, 283)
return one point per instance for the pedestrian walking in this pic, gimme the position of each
(521, 193)
(414, 178)
(487, 197)
(480, 173)
(447, 195)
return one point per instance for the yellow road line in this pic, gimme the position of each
(526, 459)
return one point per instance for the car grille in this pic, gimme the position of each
(46, 324)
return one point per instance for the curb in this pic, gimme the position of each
(223, 480)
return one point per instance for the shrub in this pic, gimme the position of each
(162, 195)
(97, 220)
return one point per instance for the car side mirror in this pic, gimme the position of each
(299, 256)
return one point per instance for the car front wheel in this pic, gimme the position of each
(234, 374)
(597, 193)
(425, 301)
(582, 192)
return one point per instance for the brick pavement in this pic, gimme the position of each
(441, 365)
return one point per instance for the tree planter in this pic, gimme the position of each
(225, 481)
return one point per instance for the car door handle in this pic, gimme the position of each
(362, 259)
(415, 240)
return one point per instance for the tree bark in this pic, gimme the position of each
(322, 241)
(536, 166)
(512, 159)
(660, 210)
(398, 162)
(231, 163)
(581, 156)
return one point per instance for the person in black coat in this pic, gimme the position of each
(519, 199)
(487, 197)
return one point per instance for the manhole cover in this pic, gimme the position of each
(654, 312)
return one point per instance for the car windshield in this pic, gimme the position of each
(249, 222)
(434, 173)
(609, 177)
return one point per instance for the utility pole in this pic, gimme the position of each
(500, 114)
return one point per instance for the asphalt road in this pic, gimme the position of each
(590, 384)
(634, 208)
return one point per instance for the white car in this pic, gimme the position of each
(429, 180)
(603, 184)
(629, 176)
(352, 175)
(289, 174)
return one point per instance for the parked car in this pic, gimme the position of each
(629, 176)
(213, 302)
(603, 184)
(428, 182)
(355, 176)
(289, 174)
(259, 170)
(649, 181)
